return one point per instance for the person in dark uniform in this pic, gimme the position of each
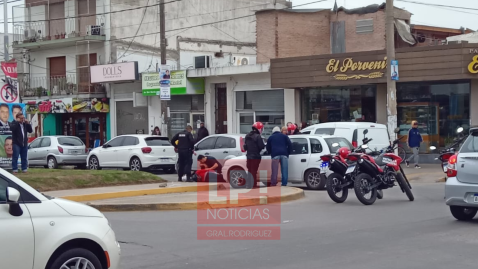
(254, 145)
(185, 147)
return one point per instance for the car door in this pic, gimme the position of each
(16, 235)
(43, 150)
(299, 157)
(468, 160)
(317, 149)
(108, 154)
(33, 156)
(205, 147)
(225, 146)
(126, 150)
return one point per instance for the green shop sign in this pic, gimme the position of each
(179, 83)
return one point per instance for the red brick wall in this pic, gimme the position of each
(266, 36)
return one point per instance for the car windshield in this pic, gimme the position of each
(338, 142)
(70, 141)
(157, 141)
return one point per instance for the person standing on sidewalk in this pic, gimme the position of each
(20, 128)
(279, 146)
(414, 141)
(202, 132)
(253, 145)
(185, 147)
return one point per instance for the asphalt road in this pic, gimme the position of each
(315, 233)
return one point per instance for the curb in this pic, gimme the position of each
(296, 195)
(122, 194)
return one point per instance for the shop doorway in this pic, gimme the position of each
(221, 108)
(90, 128)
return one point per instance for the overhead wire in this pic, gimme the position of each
(137, 31)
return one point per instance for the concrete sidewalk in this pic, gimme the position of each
(429, 173)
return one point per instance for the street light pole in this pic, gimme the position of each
(391, 84)
(5, 30)
(163, 42)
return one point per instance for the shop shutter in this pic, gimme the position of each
(181, 103)
(268, 100)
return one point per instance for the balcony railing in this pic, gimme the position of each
(30, 25)
(71, 84)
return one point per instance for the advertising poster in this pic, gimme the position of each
(7, 114)
(9, 90)
(394, 70)
(150, 84)
(68, 105)
(165, 82)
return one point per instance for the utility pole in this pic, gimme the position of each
(391, 84)
(163, 42)
(5, 30)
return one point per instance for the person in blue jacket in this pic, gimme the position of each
(279, 146)
(414, 141)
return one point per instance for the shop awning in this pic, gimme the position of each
(404, 31)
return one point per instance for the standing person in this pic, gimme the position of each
(291, 128)
(20, 129)
(279, 146)
(254, 145)
(414, 141)
(4, 115)
(184, 143)
(296, 130)
(156, 131)
(284, 130)
(202, 132)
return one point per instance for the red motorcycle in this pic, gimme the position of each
(379, 174)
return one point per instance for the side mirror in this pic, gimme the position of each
(365, 131)
(13, 196)
(459, 130)
(397, 130)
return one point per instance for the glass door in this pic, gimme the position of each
(178, 122)
(196, 119)
(246, 119)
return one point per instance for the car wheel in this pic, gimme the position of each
(463, 213)
(51, 162)
(94, 164)
(237, 178)
(314, 180)
(77, 258)
(135, 164)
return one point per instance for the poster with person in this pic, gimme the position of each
(8, 112)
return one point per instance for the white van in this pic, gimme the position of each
(353, 131)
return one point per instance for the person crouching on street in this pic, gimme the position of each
(208, 167)
(279, 146)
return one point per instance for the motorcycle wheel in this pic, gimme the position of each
(361, 187)
(334, 190)
(379, 194)
(405, 187)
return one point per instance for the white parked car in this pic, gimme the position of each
(220, 146)
(42, 232)
(304, 162)
(353, 132)
(134, 152)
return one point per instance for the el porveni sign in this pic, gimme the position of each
(375, 68)
(473, 66)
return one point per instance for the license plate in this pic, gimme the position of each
(164, 160)
(445, 167)
(324, 165)
(350, 169)
(74, 151)
(475, 198)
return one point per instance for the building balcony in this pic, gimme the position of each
(71, 85)
(37, 27)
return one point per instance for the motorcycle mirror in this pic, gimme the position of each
(459, 130)
(364, 146)
(335, 145)
(433, 148)
(365, 131)
(397, 130)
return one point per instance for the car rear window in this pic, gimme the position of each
(157, 141)
(342, 142)
(70, 141)
(471, 144)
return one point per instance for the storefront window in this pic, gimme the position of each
(131, 120)
(341, 104)
(439, 108)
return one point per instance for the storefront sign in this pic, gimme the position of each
(179, 84)
(150, 84)
(114, 72)
(348, 64)
(473, 51)
(394, 70)
(68, 105)
(473, 66)
(9, 90)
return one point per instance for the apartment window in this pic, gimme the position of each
(86, 7)
(57, 74)
(56, 15)
(364, 26)
(83, 63)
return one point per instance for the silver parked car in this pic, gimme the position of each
(51, 151)
(461, 189)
